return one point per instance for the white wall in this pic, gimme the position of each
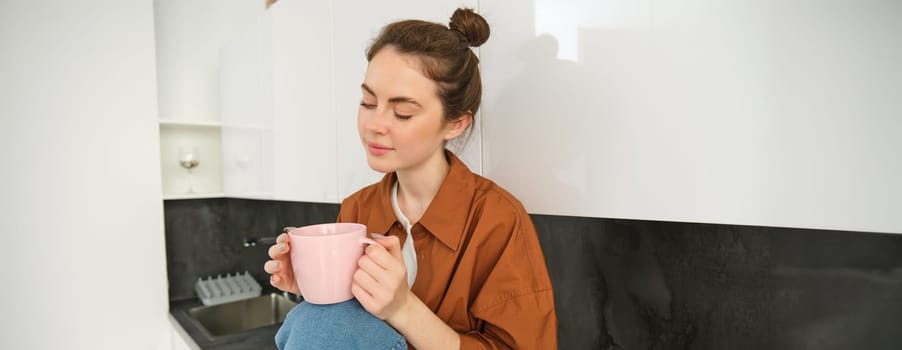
(743, 112)
(82, 220)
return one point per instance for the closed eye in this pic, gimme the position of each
(373, 106)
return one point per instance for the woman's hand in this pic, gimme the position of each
(380, 282)
(280, 265)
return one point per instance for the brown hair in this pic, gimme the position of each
(445, 55)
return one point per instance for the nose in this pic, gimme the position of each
(378, 121)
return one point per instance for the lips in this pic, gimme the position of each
(377, 149)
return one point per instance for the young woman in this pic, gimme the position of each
(461, 265)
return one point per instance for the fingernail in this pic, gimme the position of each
(281, 247)
(275, 265)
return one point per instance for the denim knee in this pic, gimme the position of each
(345, 325)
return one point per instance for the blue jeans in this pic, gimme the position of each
(345, 325)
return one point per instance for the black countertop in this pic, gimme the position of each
(260, 338)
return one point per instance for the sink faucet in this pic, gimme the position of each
(253, 241)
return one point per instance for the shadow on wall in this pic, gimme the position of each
(551, 136)
(614, 295)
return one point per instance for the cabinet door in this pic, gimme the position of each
(247, 162)
(304, 147)
(356, 23)
(245, 90)
(278, 131)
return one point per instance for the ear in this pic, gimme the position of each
(457, 126)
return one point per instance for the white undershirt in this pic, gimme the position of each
(407, 251)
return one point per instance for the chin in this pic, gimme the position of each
(379, 165)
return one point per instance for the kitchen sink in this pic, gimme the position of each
(243, 315)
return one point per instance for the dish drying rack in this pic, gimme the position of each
(219, 290)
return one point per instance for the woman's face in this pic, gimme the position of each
(400, 117)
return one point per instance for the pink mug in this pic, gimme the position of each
(324, 259)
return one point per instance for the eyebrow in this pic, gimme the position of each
(399, 99)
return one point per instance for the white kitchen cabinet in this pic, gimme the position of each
(245, 90)
(278, 130)
(188, 38)
(247, 161)
(304, 157)
(769, 114)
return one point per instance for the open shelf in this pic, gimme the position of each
(201, 124)
(192, 196)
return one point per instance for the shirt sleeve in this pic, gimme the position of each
(525, 322)
(515, 306)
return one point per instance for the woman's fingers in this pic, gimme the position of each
(385, 261)
(364, 297)
(279, 268)
(278, 250)
(379, 281)
(368, 266)
(371, 296)
(271, 267)
(379, 256)
(366, 281)
(283, 279)
(393, 245)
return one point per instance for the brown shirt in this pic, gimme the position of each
(480, 266)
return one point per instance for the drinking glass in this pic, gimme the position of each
(188, 160)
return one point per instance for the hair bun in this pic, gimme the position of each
(473, 27)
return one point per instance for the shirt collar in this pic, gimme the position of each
(383, 217)
(446, 216)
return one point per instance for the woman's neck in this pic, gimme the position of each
(418, 186)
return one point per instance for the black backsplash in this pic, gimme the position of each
(630, 284)
(205, 237)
